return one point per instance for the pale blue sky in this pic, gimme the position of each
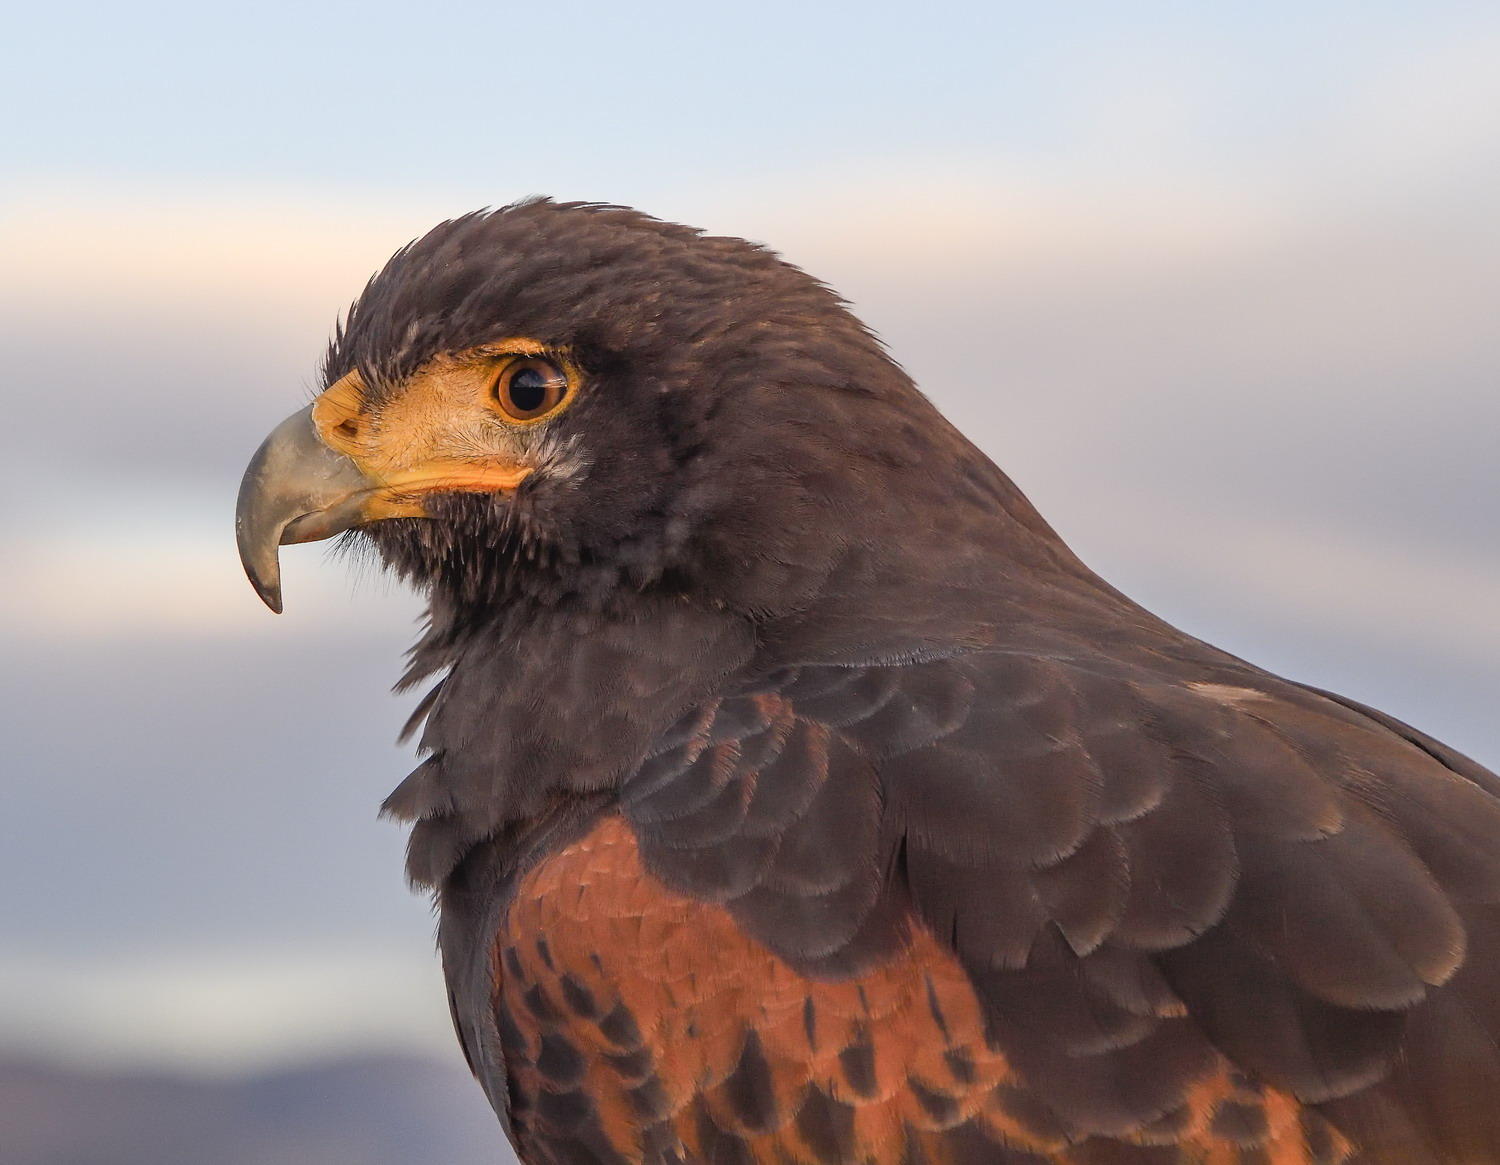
(1215, 282)
(448, 96)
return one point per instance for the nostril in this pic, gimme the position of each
(348, 430)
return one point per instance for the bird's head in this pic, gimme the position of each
(572, 401)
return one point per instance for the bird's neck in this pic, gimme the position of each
(540, 706)
(547, 701)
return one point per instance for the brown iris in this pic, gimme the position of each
(529, 388)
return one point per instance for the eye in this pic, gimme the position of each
(530, 388)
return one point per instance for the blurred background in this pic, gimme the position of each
(1217, 284)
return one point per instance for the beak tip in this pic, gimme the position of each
(268, 590)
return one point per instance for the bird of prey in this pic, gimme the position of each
(793, 794)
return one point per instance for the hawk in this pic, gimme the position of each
(792, 793)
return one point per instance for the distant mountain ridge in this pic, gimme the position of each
(361, 1110)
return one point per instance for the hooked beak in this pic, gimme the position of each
(297, 489)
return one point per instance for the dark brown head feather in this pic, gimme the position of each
(735, 416)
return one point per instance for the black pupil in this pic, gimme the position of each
(528, 389)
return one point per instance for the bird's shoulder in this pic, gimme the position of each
(638, 1023)
(1149, 874)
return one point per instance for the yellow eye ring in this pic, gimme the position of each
(530, 388)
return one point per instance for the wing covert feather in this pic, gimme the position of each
(1201, 919)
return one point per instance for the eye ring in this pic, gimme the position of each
(530, 388)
